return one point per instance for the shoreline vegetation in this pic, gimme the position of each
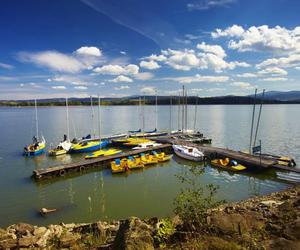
(148, 100)
(262, 222)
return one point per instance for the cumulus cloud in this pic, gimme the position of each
(198, 78)
(284, 62)
(144, 76)
(58, 87)
(273, 71)
(53, 60)
(274, 79)
(80, 87)
(149, 90)
(6, 66)
(214, 49)
(121, 78)
(149, 65)
(88, 51)
(247, 75)
(114, 69)
(242, 85)
(261, 38)
(154, 57)
(68, 79)
(123, 87)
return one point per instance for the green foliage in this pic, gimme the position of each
(194, 200)
(165, 230)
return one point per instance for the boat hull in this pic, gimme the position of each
(86, 149)
(188, 157)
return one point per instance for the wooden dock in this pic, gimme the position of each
(83, 165)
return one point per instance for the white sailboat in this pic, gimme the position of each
(188, 153)
(37, 146)
(64, 146)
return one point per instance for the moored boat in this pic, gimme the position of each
(88, 146)
(62, 148)
(148, 159)
(227, 164)
(162, 157)
(188, 153)
(147, 145)
(103, 152)
(37, 147)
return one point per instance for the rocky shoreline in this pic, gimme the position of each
(262, 222)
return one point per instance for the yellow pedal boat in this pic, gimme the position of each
(118, 166)
(228, 164)
(148, 159)
(162, 157)
(103, 152)
(134, 162)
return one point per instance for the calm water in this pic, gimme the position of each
(99, 195)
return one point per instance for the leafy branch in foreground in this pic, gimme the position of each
(194, 200)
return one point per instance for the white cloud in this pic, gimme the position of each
(273, 71)
(89, 51)
(123, 52)
(121, 78)
(149, 90)
(208, 4)
(68, 79)
(153, 57)
(198, 78)
(122, 87)
(80, 87)
(53, 60)
(6, 66)
(114, 69)
(144, 76)
(22, 85)
(274, 79)
(149, 65)
(284, 62)
(214, 49)
(242, 85)
(58, 87)
(261, 38)
(181, 60)
(247, 75)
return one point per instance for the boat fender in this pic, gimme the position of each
(81, 169)
(62, 172)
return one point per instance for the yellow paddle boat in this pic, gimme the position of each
(161, 157)
(228, 164)
(134, 162)
(103, 152)
(148, 159)
(118, 166)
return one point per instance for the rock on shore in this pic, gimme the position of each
(263, 222)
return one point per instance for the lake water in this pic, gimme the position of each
(100, 195)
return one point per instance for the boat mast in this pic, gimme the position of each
(170, 125)
(253, 114)
(36, 120)
(195, 118)
(258, 119)
(143, 115)
(156, 109)
(93, 125)
(99, 119)
(186, 110)
(182, 118)
(140, 113)
(68, 126)
(178, 115)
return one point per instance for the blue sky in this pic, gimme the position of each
(58, 48)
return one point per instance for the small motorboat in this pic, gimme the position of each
(88, 146)
(103, 152)
(228, 164)
(149, 144)
(188, 153)
(148, 159)
(37, 147)
(62, 148)
(162, 157)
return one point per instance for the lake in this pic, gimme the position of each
(101, 195)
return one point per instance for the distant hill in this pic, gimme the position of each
(282, 95)
(272, 97)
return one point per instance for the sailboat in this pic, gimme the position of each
(102, 152)
(64, 146)
(37, 146)
(89, 144)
